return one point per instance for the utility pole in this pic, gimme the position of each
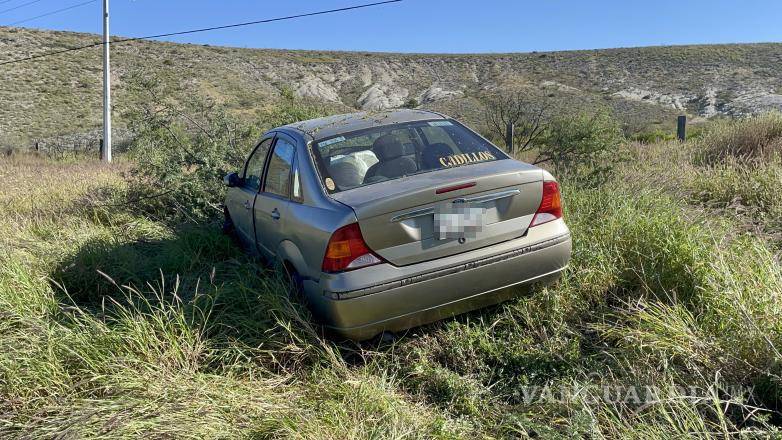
(106, 151)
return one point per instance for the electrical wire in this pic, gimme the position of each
(208, 29)
(20, 6)
(78, 5)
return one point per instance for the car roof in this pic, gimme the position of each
(329, 126)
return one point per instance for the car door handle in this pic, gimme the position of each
(275, 214)
(247, 204)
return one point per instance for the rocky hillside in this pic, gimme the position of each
(645, 87)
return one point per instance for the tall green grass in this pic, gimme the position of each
(114, 324)
(734, 170)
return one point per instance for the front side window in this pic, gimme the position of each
(386, 153)
(254, 168)
(278, 175)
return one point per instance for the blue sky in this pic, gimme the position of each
(429, 25)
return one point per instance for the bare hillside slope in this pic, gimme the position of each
(643, 86)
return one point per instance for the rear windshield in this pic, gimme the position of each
(386, 153)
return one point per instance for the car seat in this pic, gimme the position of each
(392, 161)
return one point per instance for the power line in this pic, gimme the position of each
(20, 6)
(52, 12)
(193, 31)
(268, 20)
(5, 1)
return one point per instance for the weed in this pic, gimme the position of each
(116, 323)
(752, 138)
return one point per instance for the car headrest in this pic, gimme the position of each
(433, 153)
(388, 147)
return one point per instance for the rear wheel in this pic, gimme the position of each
(295, 280)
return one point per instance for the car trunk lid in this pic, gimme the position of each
(397, 218)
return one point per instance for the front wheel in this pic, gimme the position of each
(228, 227)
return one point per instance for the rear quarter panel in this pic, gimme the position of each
(308, 225)
(307, 232)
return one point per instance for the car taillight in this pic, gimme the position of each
(550, 206)
(347, 251)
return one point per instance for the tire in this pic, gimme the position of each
(296, 282)
(387, 337)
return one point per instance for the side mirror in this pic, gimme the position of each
(232, 180)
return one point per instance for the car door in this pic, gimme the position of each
(272, 203)
(241, 199)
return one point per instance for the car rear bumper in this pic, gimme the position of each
(363, 303)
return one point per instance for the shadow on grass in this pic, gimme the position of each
(232, 298)
(192, 254)
(240, 301)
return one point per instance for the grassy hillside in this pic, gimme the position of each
(644, 87)
(115, 323)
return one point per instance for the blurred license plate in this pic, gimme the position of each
(458, 220)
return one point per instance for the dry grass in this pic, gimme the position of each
(734, 170)
(758, 138)
(189, 338)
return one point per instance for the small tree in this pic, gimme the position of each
(584, 146)
(183, 145)
(182, 149)
(528, 118)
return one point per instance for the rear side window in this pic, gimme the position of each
(278, 175)
(390, 152)
(296, 191)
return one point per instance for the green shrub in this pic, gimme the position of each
(584, 147)
(181, 150)
(291, 110)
